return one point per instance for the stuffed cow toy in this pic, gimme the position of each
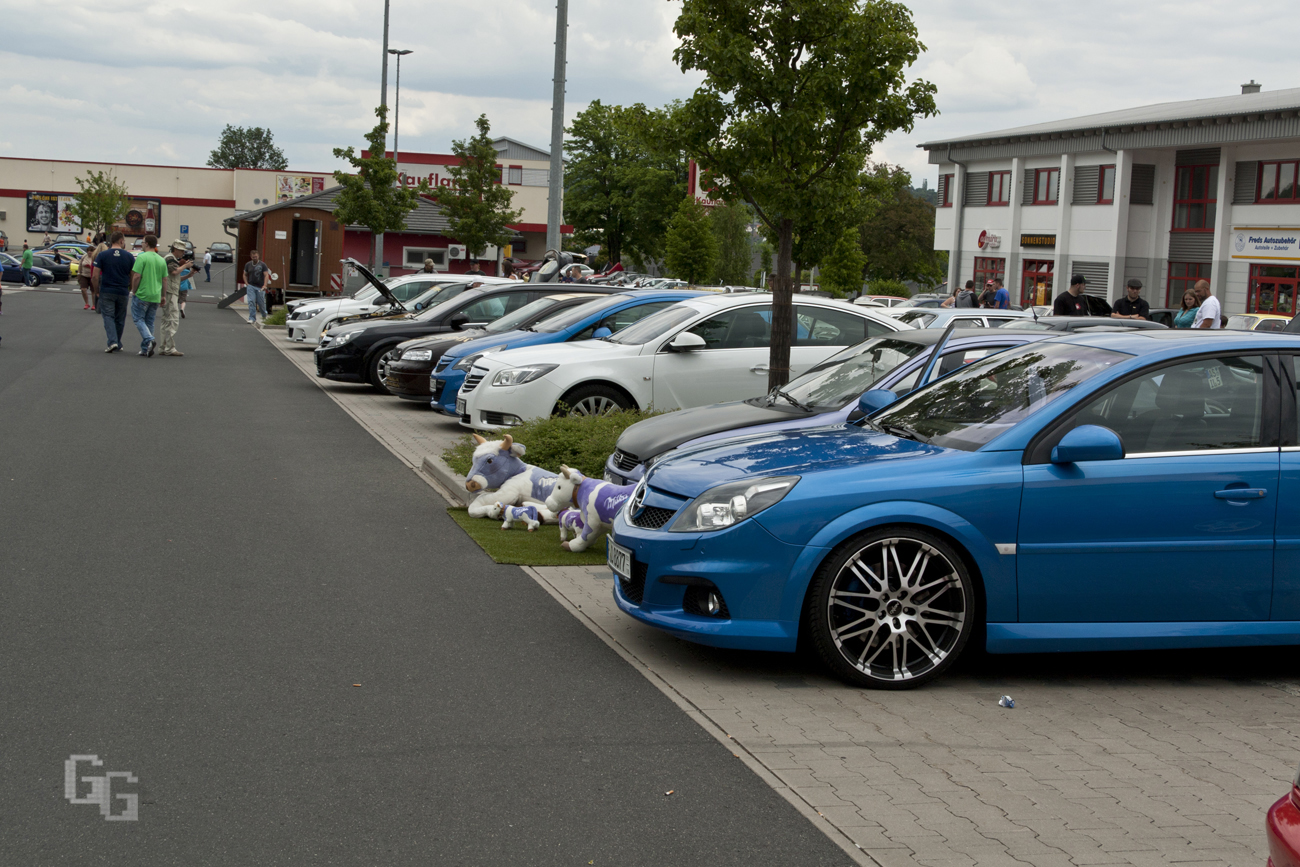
(596, 502)
(570, 524)
(526, 515)
(499, 475)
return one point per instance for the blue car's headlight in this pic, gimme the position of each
(731, 503)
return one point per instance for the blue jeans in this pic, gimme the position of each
(256, 301)
(207, 273)
(27, 276)
(113, 309)
(142, 314)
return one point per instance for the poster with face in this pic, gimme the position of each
(50, 212)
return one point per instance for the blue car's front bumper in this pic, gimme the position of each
(443, 385)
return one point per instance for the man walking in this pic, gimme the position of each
(147, 277)
(1132, 305)
(1070, 302)
(1208, 315)
(177, 270)
(207, 267)
(27, 264)
(255, 274)
(111, 279)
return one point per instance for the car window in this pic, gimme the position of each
(1001, 322)
(406, 291)
(959, 358)
(494, 307)
(988, 397)
(574, 315)
(620, 319)
(968, 321)
(1202, 405)
(918, 318)
(746, 328)
(822, 326)
(656, 326)
(521, 316)
(839, 380)
(1271, 325)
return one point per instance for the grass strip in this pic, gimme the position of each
(522, 548)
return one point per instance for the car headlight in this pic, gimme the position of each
(732, 503)
(418, 355)
(468, 361)
(520, 375)
(307, 314)
(339, 339)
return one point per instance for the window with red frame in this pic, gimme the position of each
(1046, 184)
(1277, 182)
(1182, 277)
(999, 188)
(986, 268)
(1036, 282)
(1272, 289)
(1195, 197)
(945, 191)
(1106, 187)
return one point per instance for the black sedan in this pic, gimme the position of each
(361, 351)
(60, 266)
(412, 363)
(221, 252)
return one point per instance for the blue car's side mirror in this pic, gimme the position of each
(601, 333)
(1088, 442)
(877, 398)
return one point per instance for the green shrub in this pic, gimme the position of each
(581, 442)
(889, 287)
(278, 317)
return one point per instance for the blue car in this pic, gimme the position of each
(1092, 491)
(608, 315)
(13, 272)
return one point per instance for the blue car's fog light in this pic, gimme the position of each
(729, 504)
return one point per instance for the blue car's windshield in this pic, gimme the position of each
(574, 315)
(972, 406)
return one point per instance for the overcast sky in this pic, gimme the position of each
(155, 82)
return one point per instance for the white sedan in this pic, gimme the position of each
(701, 351)
(310, 318)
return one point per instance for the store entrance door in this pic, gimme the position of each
(1036, 282)
(305, 253)
(1272, 289)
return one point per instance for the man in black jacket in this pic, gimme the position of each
(1070, 302)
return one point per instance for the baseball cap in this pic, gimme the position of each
(1077, 279)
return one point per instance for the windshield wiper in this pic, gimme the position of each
(776, 392)
(905, 432)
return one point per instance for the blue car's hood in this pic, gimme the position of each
(508, 338)
(810, 450)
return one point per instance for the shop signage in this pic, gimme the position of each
(989, 241)
(1038, 240)
(1277, 243)
(289, 187)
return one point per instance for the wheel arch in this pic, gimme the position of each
(606, 383)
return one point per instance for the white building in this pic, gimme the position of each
(1166, 193)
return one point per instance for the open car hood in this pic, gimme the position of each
(376, 282)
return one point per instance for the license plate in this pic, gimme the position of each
(460, 406)
(620, 558)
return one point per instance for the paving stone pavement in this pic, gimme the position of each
(1105, 759)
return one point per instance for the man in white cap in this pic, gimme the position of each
(178, 268)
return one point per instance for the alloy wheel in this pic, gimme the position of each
(594, 405)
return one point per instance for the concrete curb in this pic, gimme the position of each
(446, 478)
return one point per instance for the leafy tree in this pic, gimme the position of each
(247, 148)
(897, 288)
(620, 189)
(477, 204)
(795, 94)
(730, 224)
(371, 196)
(764, 263)
(101, 201)
(690, 247)
(842, 269)
(898, 235)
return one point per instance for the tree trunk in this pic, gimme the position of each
(778, 370)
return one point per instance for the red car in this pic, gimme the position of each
(1283, 825)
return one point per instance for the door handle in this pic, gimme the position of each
(1242, 494)
(759, 368)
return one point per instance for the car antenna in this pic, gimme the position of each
(934, 356)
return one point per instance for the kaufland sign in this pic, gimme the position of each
(412, 174)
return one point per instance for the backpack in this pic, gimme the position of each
(965, 298)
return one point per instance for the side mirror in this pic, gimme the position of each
(686, 342)
(458, 321)
(601, 333)
(877, 398)
(419, 305)
(1088, 442)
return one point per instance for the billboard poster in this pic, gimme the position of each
(143, 216)
(50, 212)
(288, 187)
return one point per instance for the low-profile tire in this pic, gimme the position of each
(593, 399)
(377, 368)
(891, 609)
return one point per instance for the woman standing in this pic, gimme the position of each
(1187, 313)
(84, 269)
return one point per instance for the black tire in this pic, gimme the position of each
(593, 399)
(376, 368)
(859, 618)
(33, 280)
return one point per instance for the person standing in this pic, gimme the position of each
(111, 280)
(255, 280)
(177, 270)
(986, 296)
(428, 267)
(1070, 302)
(85, 269)
(1001, 298)
(952, 298)
(475, 270)
(1209, 313)
(966, 297)
(148, 275)
(1132, 305)
(1186, 314)
(207, 272)
(27, 264)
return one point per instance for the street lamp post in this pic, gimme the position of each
(377, 254)
(397, 99)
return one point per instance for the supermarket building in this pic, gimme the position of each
(1169, 194)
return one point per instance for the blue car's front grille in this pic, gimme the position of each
(652, 518)
(634, 588)
(443, 363)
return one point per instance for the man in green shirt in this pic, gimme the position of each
(27, 264)
(147, 276)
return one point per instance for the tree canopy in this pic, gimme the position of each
(689, 246)
(247, 148)
(477, 204)
(898, 234)
(101, 201)
(730, 224)
(795, 94)
(370, 196)
(842, 269)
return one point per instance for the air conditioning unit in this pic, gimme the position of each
(455, 251)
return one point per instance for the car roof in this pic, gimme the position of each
(1174, 342)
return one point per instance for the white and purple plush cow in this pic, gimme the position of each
(596, 502)
(570, 524)
(499, 473)
(526, 515)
